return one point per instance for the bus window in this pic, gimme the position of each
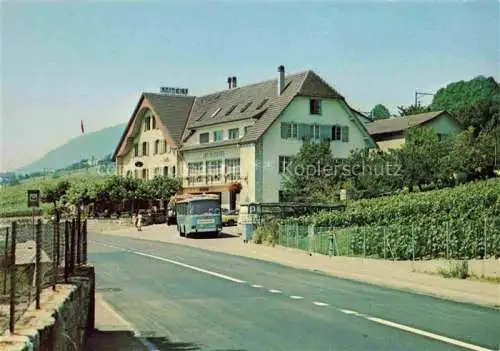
(204, 207)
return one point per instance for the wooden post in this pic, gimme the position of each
(84, 242)
(38, 266)
(54, 254)
(78, 235)
(12, 271)
(66, 251)
(7, 261)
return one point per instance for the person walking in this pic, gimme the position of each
(138, 221)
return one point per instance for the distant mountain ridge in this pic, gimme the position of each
(95, 144)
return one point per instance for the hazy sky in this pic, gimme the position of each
(66, 61)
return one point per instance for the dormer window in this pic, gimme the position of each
(231, 110)
(262, 104)
(153, 122)
(216, 112)
(315, 107)
(244, 108)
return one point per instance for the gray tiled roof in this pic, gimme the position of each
(397, 124)
(173, 112)
(210, 145)
(305, 83)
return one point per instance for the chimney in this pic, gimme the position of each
(234, 82)
(281, 79)
(229, 80)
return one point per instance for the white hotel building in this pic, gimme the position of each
(243, 135)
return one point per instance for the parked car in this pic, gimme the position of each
(229, 218)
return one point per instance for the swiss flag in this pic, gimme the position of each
(81, 126)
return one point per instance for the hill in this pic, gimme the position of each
(96, 144)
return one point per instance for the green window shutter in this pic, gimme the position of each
(303, 131)
(325, 132)
(345, 134)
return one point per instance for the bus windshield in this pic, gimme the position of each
(204, 207)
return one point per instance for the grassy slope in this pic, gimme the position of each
(97, 144)
(13, 201)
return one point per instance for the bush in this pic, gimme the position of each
(267, 233)
(457, 270)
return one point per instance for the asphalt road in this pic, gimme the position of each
(183, 298)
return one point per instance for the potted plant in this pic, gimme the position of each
(234, 188)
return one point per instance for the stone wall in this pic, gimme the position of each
(63, 320)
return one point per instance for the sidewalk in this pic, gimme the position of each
(386, 273)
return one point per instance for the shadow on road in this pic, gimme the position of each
(125, 341)
(221, 235)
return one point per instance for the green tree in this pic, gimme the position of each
(474, 103)
(311, 175)
(380, 112)
(164, 187)
(413, 110)
(53, 193)
(421, 157)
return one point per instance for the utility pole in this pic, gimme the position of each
(417, 95)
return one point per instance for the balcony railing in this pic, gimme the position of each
(212, 179)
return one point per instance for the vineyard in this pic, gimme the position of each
(462, 222)
(13, 202)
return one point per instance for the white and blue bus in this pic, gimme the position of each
(199, 214)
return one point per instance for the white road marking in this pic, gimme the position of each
(317, 303)
(185, 265)
(295, 297)
(417, 331)
(427, 334)
(349, 312)
(149, 346)
(274, 291)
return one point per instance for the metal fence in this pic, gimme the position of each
(478, 238)
(34, 256)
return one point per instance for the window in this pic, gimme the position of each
(289, 130)
(232, 169)
(345, 134)
(145, 148)
(315, 107)
(340, 133)
(304, 131)
(244, 108)
(173, 171)
(157, 171)
(216, 112)
(336, 133)
(262, 104)
(218, 135)
(165, 171)
(145, 173)
(157, 147)
(214, 171)
(245, 130)
(136, 173)
(204, 138)
(283, 163)
(147, 123)
(153, 122)
(195, 172)
(164, 149)
(231, 109)
(314, 133)
(136, 150)
(234, 133)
